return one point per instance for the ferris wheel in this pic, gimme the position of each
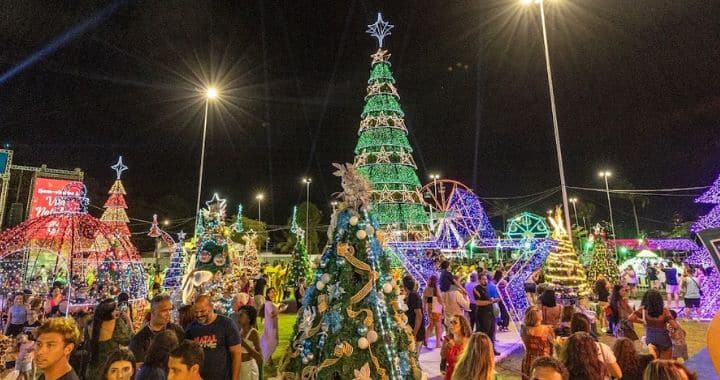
(456, 213)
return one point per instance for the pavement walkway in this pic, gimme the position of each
(506, 343)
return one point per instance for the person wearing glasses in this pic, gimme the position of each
(455, 343)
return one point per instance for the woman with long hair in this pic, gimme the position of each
(656, 317)
(632, 363)
(455, 343)
(252, 358)
(602, 293)
(501, 283)
(581, 358)
(120, 365)
(621, 310)
(433, 306)
(270, 338)
(551, 311)
(477, 361)
(537, 337)
(107, 334)
(668, 370)
(156, 357)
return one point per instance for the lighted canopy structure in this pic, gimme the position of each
(527, 225)
(69, 245)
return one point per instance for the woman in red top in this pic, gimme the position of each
(453, 347)
(655, 317)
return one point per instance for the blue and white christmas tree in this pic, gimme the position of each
(176, 269)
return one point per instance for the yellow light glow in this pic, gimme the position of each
(260, 196)
(211, 93)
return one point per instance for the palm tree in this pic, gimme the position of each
(586, 211)
(635, 200)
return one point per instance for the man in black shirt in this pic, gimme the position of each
(160, 309)
(414, 312)
(259, 290)
(220, 340)
(485, 318)
(56, 339)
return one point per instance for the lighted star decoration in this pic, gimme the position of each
(380, 29)
(380, 55)
(181, 235)
(119, 168)
(216, 204)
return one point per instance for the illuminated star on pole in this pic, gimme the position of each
(119, 167)
(181, 235)
(380, 29)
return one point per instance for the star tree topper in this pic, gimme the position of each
(119, 167)
(217, 205)
(380, 29)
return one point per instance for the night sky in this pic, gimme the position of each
(636, 87)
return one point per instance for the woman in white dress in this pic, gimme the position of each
(252, 358)
(269, 340)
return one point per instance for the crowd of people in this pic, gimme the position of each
(170, 341)
(463, 310)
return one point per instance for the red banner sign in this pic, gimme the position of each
(45, 195)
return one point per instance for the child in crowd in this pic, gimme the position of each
(25, 355)
(679, 345)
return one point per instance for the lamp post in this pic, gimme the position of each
(551, 89)
(605, 174)
(210, 94)
(334, 205)
(259, 199)
(574, 200)
(433, 177)
(307, 181)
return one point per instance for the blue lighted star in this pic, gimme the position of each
(380, 29)
(119, 167)
(181, 235)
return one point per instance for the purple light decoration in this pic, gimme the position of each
(710, 302)
(656, 244)
(515, 297)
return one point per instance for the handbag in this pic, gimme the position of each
(698, 286)
(496, 310)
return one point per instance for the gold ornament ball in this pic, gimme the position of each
(320, 285)
(372, 336)
(354, 220)
(361, 234)
(370, 230)
(363, 343)
(387, 287)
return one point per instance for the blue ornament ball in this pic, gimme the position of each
(362, 330)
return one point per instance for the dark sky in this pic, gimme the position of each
(636, 86)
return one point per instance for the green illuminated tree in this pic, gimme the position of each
(603, 260)
(300, 264)
(351, 325)
(384, 156)
(562, 267)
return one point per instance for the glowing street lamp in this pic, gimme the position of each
(605, 174)
(551, 89)
(574, 200)
(259, 199)
(210, 93)
(307, 181)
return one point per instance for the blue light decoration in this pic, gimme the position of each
(527, 225)
(380, 29)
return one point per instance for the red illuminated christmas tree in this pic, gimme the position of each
(115, 215)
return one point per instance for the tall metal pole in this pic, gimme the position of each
(202, 157)
(612, 222)
(307, 216)
(558, 149)
(259, 208)
(574, 201)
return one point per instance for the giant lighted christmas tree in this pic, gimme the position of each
(300, 264)
(383, 153)
(603, 260)
(562, 267)
(352, 325)
(115, 206)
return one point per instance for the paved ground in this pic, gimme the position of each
(507, 342)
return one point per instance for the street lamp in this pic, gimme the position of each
(605, 174)
(433, 177)
(561, 169)
(574, 200)
(259, 198)
(210, 94)
(307, 181)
